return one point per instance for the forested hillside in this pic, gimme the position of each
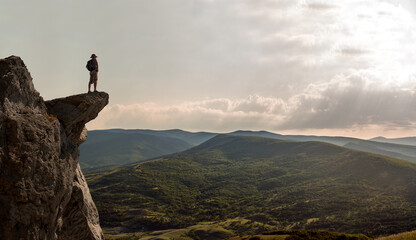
(310, 185)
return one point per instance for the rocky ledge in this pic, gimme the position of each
(75, 111)
(43, 193)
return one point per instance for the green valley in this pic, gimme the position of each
(288, 185)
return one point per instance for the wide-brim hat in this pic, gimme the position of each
(93, 56)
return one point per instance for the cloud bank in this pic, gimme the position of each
(356, 101)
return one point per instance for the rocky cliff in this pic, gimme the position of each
(43, 193)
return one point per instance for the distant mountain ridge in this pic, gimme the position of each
(405, 140)
(108, 149)
(395, 150)
(193, 138)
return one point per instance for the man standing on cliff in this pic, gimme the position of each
(92, 66)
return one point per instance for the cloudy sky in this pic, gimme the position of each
(288, 66)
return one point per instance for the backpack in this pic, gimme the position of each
(91, 65)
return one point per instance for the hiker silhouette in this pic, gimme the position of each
(92, 66)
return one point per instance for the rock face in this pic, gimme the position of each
(43, 193)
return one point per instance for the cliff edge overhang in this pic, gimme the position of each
(75, 111)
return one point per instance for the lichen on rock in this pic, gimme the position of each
(43, 192)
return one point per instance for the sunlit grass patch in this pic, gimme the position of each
(400, 236)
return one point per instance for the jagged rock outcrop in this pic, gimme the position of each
(43, 193)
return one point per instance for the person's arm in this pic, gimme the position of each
(96, 62)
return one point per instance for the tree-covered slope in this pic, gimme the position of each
(286, 184)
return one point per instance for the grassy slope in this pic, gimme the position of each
(302, 234)
(400, 236)
(286, 184)
(249, 230)
(204, 230)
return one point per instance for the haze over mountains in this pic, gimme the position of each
(107, 149)
(405, 140)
